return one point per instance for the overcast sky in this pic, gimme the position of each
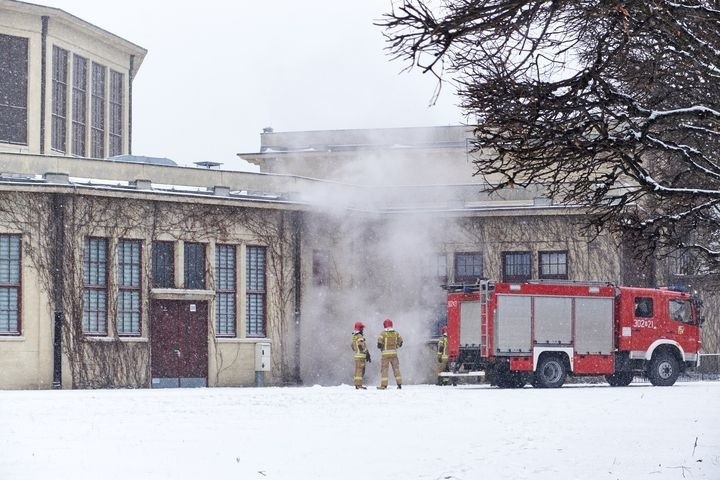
(217, 72)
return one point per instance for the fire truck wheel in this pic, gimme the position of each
(663, 369)
(550, 373)
(619, 379)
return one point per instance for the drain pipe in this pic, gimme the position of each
(297, 280)
(58, 284)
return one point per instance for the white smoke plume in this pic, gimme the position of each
(373, 245)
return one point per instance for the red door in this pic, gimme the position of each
(179, 343)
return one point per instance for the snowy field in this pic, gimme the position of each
(420, 432)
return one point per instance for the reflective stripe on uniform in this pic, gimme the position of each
(443, 348)
(356, 342)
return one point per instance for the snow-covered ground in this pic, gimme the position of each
(419, 432)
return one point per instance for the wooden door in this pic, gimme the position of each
(179, 343)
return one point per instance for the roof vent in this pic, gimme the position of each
(207, 164)
(141, 184)
(219, 191)
(53, 177)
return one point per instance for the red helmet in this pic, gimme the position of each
(387, 323)
(443, 330)
(359, 326)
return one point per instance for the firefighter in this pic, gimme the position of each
(361, 355)
(388, 343)
(442, 356)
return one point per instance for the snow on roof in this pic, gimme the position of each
(143, 159)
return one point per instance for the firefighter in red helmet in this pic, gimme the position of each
(388, 343)
(361, 355)
(442, 355)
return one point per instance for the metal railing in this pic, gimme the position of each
(709, 364)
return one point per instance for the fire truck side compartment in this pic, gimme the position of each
(552, 320)
(513, 329)
(470, 315)
(594, 325)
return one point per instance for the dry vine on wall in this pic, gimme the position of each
(54, 228)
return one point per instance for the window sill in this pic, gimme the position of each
(242, 340)
(181, 294)
(11, 338)
(98, 338)
(129, 339)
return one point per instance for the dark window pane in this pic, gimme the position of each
(163, 264)
(644, 307)
(95, 286)
(321, 267)
(116, 105)
(9, 284)
(553, 265)
(128, 272)
(59, 99)
(195, 266)
(225, 290)
(79, 101)
(13, 89)
(516, 266)
(255, 300)
(97, 119)
(468, 267)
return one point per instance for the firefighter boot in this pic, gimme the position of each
(399, 386)
(360, 387)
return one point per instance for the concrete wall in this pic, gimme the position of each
(26, 360)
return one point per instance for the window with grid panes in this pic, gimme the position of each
(255, 291)
(13, 89)
(97, 111)
(225, 291)
(128, 273)
(321, 267)
(435, 266)
(468, 267)
(10, 285)
(79, 103)
(553, 265)
(163, 265)
(59, 99)
(95, 286)
(517, 266)
(194, 266)
(115, 114)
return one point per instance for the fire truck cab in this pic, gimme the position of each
(540, 332)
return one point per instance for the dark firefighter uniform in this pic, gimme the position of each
(360, 354)
(442, 356)
(388, 343)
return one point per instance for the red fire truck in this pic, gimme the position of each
(540, 332)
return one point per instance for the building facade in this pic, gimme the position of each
(66, 84)
(131, 273)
